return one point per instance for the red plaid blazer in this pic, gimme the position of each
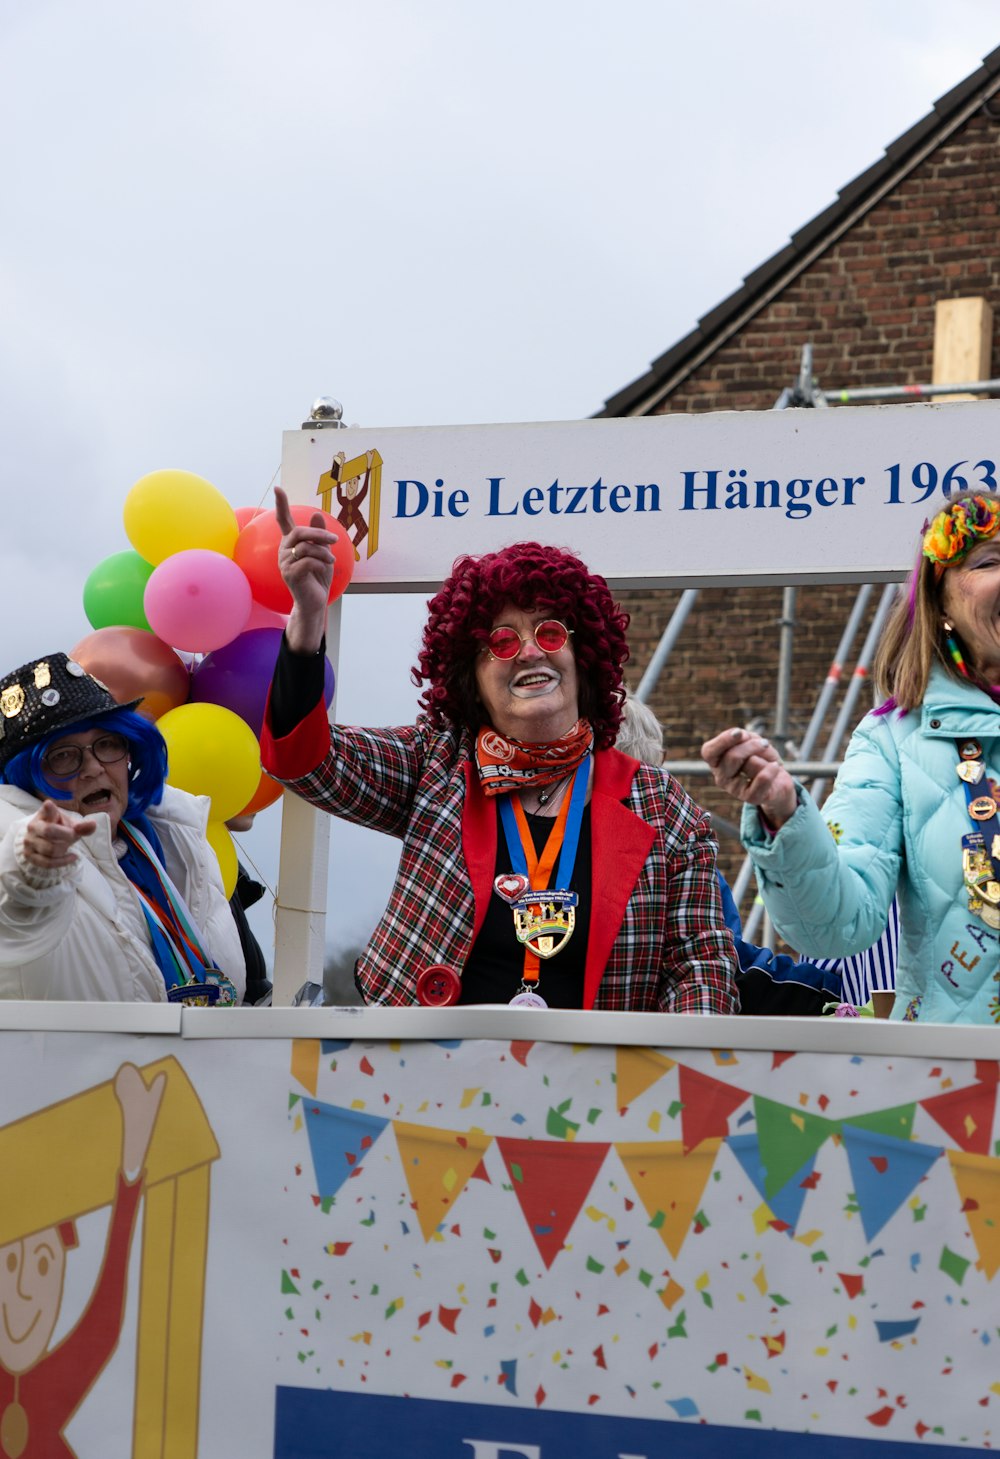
(658, 940)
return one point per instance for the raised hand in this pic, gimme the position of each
(140, 1107)
(50, 836)
(306, 564)
(748, 767)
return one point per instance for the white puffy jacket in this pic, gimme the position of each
(83, 936)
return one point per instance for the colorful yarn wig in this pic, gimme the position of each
(531, 577)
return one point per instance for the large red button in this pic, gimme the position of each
(438, 986)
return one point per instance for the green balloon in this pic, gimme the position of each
(112, 594)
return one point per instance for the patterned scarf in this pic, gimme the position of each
(505, 765)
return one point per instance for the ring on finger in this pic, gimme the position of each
(295, 551)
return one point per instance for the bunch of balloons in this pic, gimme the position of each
(190, 621)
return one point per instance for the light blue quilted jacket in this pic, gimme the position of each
(897, 813)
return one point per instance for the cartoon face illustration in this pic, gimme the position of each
(352, 487)
(31, 1285)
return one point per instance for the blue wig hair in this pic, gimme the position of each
(147, 760)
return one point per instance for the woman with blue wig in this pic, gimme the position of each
(109, 889)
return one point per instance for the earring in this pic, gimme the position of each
(948, 627)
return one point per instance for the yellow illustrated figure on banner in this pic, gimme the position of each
(141, 1135)
(42, 1387)
(355, 497)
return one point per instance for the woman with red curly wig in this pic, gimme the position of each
(540, 867)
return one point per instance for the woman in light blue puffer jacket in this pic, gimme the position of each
(916, 806)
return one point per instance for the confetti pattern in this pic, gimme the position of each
(695, 1236)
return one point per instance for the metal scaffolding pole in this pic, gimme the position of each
(664, 648)
(843, 723)
(834, 673)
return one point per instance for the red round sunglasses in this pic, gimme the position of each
(550, 635)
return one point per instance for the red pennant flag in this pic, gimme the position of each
(551, 1180)
(708, 1103)
(966, 1115)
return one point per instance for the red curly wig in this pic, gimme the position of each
(535, 579)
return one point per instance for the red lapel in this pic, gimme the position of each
(621, 842)
(479, 843)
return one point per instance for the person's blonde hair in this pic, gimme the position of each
(914, 638)
(641, 733)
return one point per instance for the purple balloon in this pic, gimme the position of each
(238, 675)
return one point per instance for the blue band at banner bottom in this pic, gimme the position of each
(310, 1422)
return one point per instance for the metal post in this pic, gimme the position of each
(847, 710)
(784, 692)
(664, 648)
(832, 679)
(843, 722)
(300, 905)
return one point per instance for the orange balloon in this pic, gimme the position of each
(256, 552)
(134, 664)
(267, 792)
(247, 514)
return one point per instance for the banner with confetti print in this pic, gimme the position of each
(493, 1248)
(566, 1248)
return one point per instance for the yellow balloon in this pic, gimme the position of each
(211, 751)
(222, 844)
(172, 511)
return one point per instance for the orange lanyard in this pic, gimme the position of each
(539, 868)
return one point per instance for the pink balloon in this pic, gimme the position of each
(197, 600)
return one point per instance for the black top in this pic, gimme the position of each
(495, 965)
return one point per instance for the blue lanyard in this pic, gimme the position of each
(571, 839)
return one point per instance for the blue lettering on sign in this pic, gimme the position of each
(572, 501)
(706, 491)
(313, 1421)
(413, 498)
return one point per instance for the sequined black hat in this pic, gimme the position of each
(45, 696)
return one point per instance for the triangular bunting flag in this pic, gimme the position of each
(437, 1164)
(884, 1172)
(669, 1183)
(339, 1139)
(789, 1139)
(966, 1115)
(896, 1121)
(977, 1178)
(636, 1070)
(305, 1063)
(551, 1179)
(786, 1204)
(708, 1103)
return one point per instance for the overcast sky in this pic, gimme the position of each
(440, 212)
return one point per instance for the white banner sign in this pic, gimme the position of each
(291, 1246)
(762, 496)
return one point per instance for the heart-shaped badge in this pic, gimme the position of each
(510, 886)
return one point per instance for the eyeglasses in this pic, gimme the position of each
(65, 761)
(550, 635)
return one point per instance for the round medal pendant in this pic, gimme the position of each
(438, 987)
(527, 999)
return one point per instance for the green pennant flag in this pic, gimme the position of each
(897, 1121)
(789, 1138)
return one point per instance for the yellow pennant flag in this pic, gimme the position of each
(438, 1165)
(669, 1183)
(305, 1063)
(636, 1070)
(977, 1178)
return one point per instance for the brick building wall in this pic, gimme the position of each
(866, 303)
